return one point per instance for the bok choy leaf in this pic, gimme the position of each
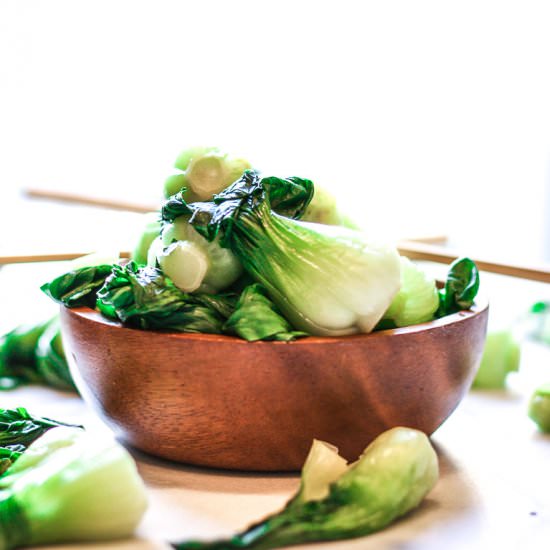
(18, 430)
(77, 287)
(461, 287)
(256, 318)
(145, 298)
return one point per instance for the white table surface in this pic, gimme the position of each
(493, 492)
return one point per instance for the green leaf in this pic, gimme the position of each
(18, 429)
(287, 197)
(78, 287)
(145, 298)
(256, 318)
(461, 287)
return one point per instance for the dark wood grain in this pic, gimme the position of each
(223, 402)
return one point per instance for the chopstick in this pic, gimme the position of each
(416, 250)
(426, 248)
(85, 200)
(55, 257)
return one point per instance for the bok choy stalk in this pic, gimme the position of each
(539, 407)
(335, 501)
(417, 300)
(70, 487)
(501, 356)
(326, 280)
(193, 263)
(150, 231)
(204, 171)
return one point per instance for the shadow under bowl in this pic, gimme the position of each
(223, 402)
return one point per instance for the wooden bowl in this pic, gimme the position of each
(223, 402)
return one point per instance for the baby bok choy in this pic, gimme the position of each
(34, 354)
(65, 485)
(326, 280)
(336, 501)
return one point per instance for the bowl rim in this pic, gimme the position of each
(480, 305)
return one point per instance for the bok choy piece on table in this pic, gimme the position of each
(336, 501)
(34, 354)
(63, 485)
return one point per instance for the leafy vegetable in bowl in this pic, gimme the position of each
(336, 501)
(63, 485)
(309, 279)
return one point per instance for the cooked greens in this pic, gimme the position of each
(256, 318)
(326, 280)
(18, 430)
(501, 356)
(307, 278)
(417, 300)
(192, 262)
(33, 354)
(539, 407)
(203, 172)
(335, 501)
(68, 486)
(461, 287)
(145, 298)
(151, 230)
(78, 287)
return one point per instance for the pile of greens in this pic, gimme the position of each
(59, 484)
(230, 252)
(242, 263)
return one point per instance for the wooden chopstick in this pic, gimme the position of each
(426, 248)
(55, 257)
(423, 251)
(84, 200)
(412, 249)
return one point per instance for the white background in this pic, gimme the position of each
(423, 117)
